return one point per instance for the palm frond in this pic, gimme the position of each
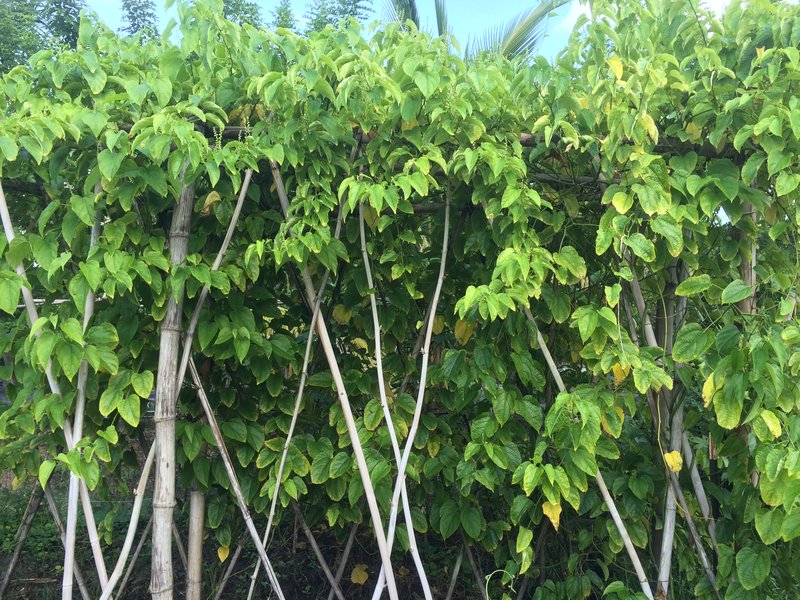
(441, 17)
(519, 36)
(401, 11)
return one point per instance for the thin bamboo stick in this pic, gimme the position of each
(347, 412)
(51, 505)
(176, 535)
(135, 556)
(612, 507)
(387, 415)
(317, 552)
(134, 522)
(343, 560)
(476, 571)
(401, 470)
(237, 490)
(229, 570)
(456, 569)
(22, 534)
(76, 485)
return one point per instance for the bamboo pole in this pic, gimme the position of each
(51, 505)
(476, 571)
(387, 415)
(347, 412)
(176, 536)
(22, 534)
(456, 569)
(229, 569)
(237, 490)
(343, 560)
(401, 470)
(194, 570)
(134, 522)
(135, 556)
(317, 552)
(612, 507)
(77, 486)
(161, 574)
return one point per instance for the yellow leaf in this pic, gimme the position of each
(552, 512)
(616, 66)
(607, 428)
(620, 373)
(760, 52)
(463, 331)
(712, 386)
(359, 574)
(360, 343)
(341, 314)
(438, 324)
(211, 200)
(773, 423)
(694, 132)
(650, 127)
(406, 125)
(674, 461)
(222, 553)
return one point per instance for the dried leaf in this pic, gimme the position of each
(359, 574)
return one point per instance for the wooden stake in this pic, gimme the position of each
(51, 505)
(317, 552)
(22, 534)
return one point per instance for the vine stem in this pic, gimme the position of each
(77, 485)
(131, 534)
(412, 540)
(612, 507)
(423, 376)
(237, 489)
(358, 451)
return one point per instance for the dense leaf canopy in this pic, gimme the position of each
(639, 196)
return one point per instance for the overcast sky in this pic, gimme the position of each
(468, 18)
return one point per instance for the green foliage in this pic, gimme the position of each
(658, 152)
(18, 32)
(282, 16)
(139, 17)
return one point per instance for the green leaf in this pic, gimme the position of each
(9, 294)
(340, 464)
(569, 258)
(235, 430)
(524, 538)
(129, 409)
(142, 383)
(693, 285)
(736, 291)
(769, 524)
(753, 567)
(472, 521)
(8, 148)
(502, 406)
(83, 206)
(69, 356)
(692, 341)
(641, 247)
(109, 162)
(73, 329)
(45, 470)
(786, 183)
(671, 231)
(449, 519)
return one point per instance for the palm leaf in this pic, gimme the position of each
(519, 36)
(401, 11)
(441, 17)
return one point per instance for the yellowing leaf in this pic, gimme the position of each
(620, 373)
(616, 66)
(711, 387)
(342, 314)
(463, 331)
(613, 429)
(438, 324)
(650, 127)
(359, 574)
(694, 131)
(773, 423)
(760, 52)
(222, 553)
(360, 343)
(552, 512)
(674, 461)
(211, 200)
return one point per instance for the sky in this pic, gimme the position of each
(468, 18)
